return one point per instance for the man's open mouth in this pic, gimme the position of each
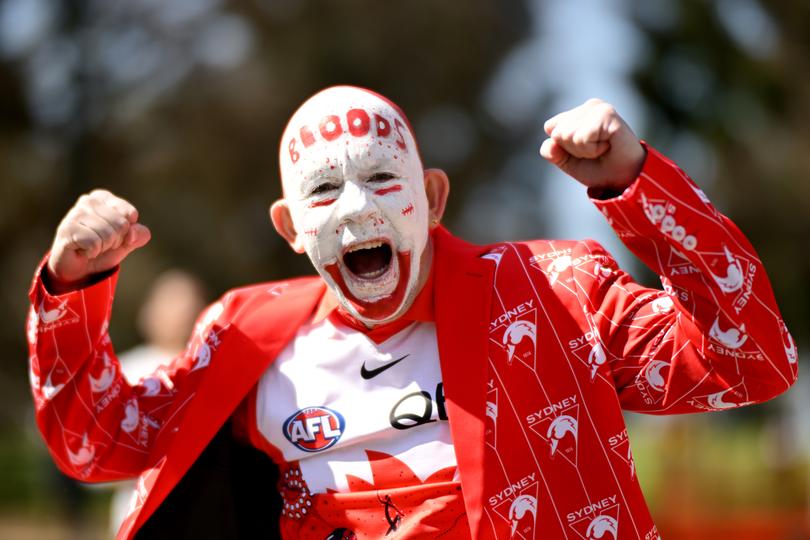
(369, 260)
(373, 276)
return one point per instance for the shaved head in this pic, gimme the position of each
(355, 194)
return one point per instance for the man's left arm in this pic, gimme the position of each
(713, 338)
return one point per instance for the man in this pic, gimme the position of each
(421, 387)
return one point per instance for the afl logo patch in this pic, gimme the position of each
(314, 429)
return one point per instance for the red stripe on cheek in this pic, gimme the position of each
(326, 202)
(387, 190)
(407, 210)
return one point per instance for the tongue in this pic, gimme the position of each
(365, 261)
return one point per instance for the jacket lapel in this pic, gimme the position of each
(463, 294)
(254, 341)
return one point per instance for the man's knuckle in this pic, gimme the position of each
(608, 109)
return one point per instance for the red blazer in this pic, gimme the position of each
(541, 345)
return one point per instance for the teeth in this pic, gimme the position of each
(365, 245)
(372, 275)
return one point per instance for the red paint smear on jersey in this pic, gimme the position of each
(381, 309)
(387, 190)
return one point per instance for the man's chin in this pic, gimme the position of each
(379, 308)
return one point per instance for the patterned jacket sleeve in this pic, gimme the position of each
(713, 339)
(96, 425)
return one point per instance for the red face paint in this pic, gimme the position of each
(407, 210)
(384, 307)
(391, 189)
(325, 202)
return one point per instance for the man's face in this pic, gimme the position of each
(354, 184)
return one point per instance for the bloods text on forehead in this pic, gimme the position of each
(354, 123)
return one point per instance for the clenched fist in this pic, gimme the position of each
(594, 145)
(94, 236)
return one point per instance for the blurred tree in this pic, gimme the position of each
(729, 80)
(179, 106)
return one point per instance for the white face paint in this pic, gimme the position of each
(354, 184)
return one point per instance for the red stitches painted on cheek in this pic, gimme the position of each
(311, 232)
(387, 190)
(408, 210)
(326, 202)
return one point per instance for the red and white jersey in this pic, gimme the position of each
(359, 431)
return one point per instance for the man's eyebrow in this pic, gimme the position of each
(381, 166)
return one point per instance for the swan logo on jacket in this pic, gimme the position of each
(314, 429)
(733, 274)
(561, 434)
(52, 315)
(596, 520)
(516, 504)
(515, 331)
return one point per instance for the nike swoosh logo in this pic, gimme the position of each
(371, 373)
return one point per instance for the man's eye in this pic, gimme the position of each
(381, 177)
(323, 188)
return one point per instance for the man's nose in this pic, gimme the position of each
(355, 204)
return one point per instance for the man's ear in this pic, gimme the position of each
(282, 221)
(437, 188)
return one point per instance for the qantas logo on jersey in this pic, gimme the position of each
(416, 409)
(314, 429)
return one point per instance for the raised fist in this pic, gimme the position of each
(594, 145)
(94, 236)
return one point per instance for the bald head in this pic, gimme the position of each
(357, 200)
(340, 126)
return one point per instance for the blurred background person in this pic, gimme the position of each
(165, 321)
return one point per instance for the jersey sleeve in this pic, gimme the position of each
(97, 426)
(713, 338)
